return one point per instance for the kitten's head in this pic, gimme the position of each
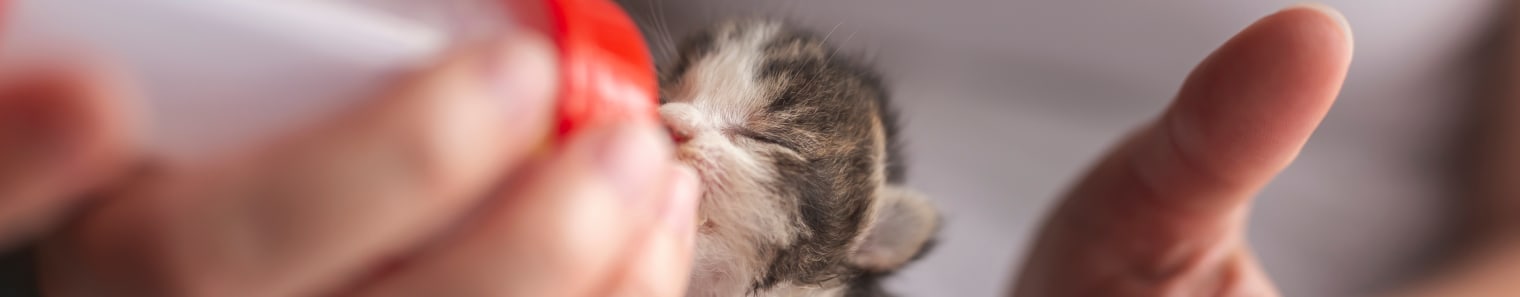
(795, 146)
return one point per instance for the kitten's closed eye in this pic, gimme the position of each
(761, 137)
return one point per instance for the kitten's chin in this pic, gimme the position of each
(705, 173)
(707, 170)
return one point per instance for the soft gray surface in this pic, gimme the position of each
(1007, 101)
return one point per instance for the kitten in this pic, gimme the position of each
(796, 149)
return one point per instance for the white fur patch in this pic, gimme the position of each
(742, 217)
(720, 91)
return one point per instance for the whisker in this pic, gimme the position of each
(657, 39)
(841, 45)
(664, 24)
(655, 30)
(831, 32)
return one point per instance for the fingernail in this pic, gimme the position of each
(681, 207)
(522, 74)
(1327, 11)
(632, 157)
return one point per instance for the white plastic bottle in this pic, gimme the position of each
(222, 74)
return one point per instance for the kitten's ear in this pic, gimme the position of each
(905, 222)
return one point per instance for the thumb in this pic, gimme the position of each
(585, 222)
(1163, 211)
(661, 267)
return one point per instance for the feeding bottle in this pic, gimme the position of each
(219, 74)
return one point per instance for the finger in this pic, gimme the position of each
(1167, 204)
(565, 231)
(63, 130)
(307, 214)
(663, 266)
(1240, 118)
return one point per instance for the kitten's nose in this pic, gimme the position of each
(679, 121)
(680, 136)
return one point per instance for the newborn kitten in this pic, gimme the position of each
(795, 146)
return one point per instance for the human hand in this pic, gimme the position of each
(438, 187)
(1163, 214)
(62, 134)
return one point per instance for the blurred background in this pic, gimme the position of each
(1007, 101)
